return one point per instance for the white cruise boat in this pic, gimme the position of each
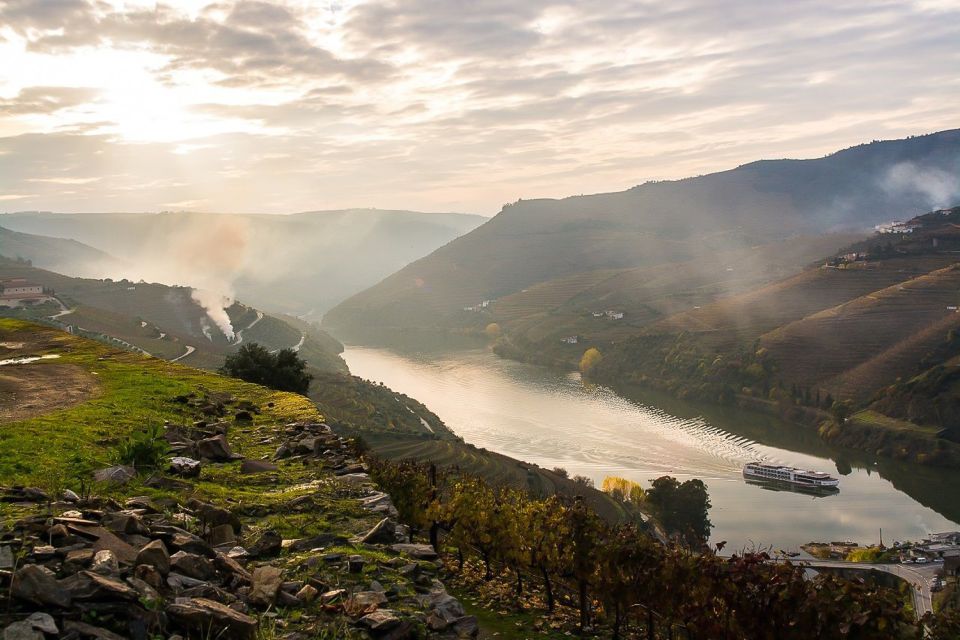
(799, 477)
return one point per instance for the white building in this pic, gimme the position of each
(20, 288)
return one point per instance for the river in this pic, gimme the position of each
(553, 419)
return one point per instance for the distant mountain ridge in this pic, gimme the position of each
(656, 223)
(54, 253)
(301, 264)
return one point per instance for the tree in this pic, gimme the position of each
(591, 358)
(492, 330)
(283, 371)
(681, 508)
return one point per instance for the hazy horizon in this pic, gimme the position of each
(280, 107)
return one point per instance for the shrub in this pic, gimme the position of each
(145, 449)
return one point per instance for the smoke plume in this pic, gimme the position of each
(940, 188)
(215, 305)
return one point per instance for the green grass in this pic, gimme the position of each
(135, 392)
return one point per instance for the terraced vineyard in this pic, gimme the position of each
(878, 336)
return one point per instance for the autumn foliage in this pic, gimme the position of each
(621, 579)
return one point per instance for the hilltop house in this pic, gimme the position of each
(570, 340)
(20, 289)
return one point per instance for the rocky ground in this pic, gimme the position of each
(252, 530)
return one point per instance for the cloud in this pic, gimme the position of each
(443, 104)
(45, 100)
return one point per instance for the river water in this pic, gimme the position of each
(553, 419)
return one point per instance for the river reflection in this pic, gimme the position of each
(553, 419)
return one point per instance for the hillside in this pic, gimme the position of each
(165, 321)
(152, 552)
(56, 253)
(874, 326)
(301, 264)
(534, 241)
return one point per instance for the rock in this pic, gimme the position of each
(216, 449)
(78, 559)
(350, 470)
(39, 585)
(84, 630)
(6, 557)
(380, 620)
(149, 575)
(256, 466)
(89, 586)
(213, 516)
(268, 544)
(466, 627)
(355, 564)
(105, 563)
(70, 496)
(125, 522)
(243, 416)
(364, 599)
(144, 588)
(221, 535)
(43, 622)
(120, 474)
(178, 581)
(155, 555)
(201, 613)
(22, 630)
(226, 564)
(192, 544)
(307, 594)
(185, 467)
(445, 605)
(382, 533)
(192, 565)
(317, 541)
(266, 582)
(104, 539)
(283, 451)
(418, 551)
(305, 446)
(330, 596)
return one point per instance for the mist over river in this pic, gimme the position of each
(553, 419)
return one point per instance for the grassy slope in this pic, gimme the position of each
(135, 392)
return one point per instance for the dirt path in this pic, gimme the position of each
(28, 390)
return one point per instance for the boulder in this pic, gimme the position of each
(39, 585)
(418, 551)
(43, 622)
(75, 628)
(125, 522)
(192, 565)
(268, 544)
(22, 630)
(330, 596)
(380, 620)
(221, 535)
(466, 627)
(185, 467)
(226, 564)
(364, 599)
(6, 557)
(213, 516)
(257, 466)
(155, 555)
(216, 449)
(266, 582)
(70, 496)
(307, 594)
(120, 474)
(105, 563)
(201, 613)
(355, 564)
(384, 532)
(92, 587)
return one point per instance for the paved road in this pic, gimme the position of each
(189, 351)
(918, 575)
(249, 326)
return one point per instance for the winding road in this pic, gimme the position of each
(918, 576)
(249, 326)
(189, 351)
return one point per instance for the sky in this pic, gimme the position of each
(445, 105)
